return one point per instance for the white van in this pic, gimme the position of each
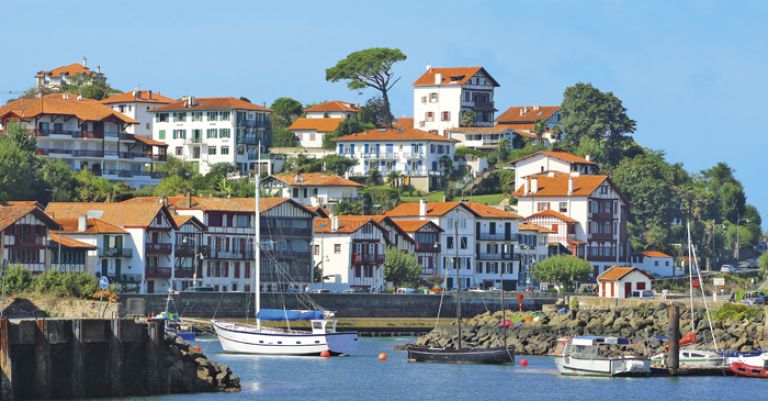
(406, 291)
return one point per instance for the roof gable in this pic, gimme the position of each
(452, 76)
(333, 105)
(315, 180)
(557, 185)
(618, 272)
(63, 104)
(527, 114)
(564, 156)
(138, 96)
(394, 134)
(13, 211)
(316, 124)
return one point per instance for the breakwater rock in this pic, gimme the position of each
(189, 371)
(536, 333)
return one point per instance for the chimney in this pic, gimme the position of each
(551, 174)
(164, 200)
(85, 62)
(536, 107)
(334, 222)
(189, 199)
(438, 78)
(298, 178)
(588, 157)
(525, 187)
(522, 111)
(98, 69)
(149, 95)
(136, 94)
(189, 101)
(429, 67)
(534, 185)
(570, 185)
(422, 208)
(82, 223)
(79, 97)
(65, 96)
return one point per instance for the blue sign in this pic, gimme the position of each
(103, 282)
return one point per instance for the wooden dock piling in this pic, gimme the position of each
(674, 339)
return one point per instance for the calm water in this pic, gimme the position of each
(364, 377)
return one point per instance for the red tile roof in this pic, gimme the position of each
(212, 103)
(13, 211)
(583, 185)
(181, 202)
(527, 114)
(403, 123)
(520, 129)
(70, 242)
(552, 213)
(484, 210)
(120, 214)
(564, 156)
(618, 272)
(534, 227)
(655, 254)
(93, 225)
(334, 105)
(348, 224)
(70, 70)
(412, 226)
(451, 76)
(316, 180)
(411, 209)
(149, 141)
(138, 96)
(316, 124)
(394, 134)
(64, 104)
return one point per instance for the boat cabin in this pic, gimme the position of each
(323, 326)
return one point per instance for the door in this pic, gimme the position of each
(119, 244)
(507, 231)
(118, 267)
(627, 290)
(104, 267)
(390, 149)
(150, 287)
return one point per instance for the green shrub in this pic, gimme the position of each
(80, 285)
(18, 279)
(736, 312)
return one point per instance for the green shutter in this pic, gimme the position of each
(162, 134)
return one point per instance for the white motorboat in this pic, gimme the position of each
(758, 358)
(585, 356)
(691, 358)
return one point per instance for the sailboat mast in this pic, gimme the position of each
(256, 239)
(456, 266)
(690, 273)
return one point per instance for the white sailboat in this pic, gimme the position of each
(255, 339)
(583, 356)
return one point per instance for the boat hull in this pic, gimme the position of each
(247, 339)
(496, 355)
(744, 370)
(607, 367)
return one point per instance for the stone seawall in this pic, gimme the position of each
(239, 304)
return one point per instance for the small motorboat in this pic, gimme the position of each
(744, 370)
(590, 356)
(494, 355)
(755, 358)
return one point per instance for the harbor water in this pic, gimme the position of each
(363, 377)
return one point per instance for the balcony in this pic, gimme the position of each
(483, 106)
(601, 237)
(118, 173)
(601, 216)
(159, 158)
(435, 248)
(88, 153)
(495, 256)
(111, 134)
(247, 140)
(157, 248)
(367, 259)
(289, 255)
(157, 272)
(285, 231)
(184, 273)
(492, 236)
(193, 141)
(231, 255)
(135, 155)
(49, 132)
(111, 153)
(252, 123)
(416, 155)
(378, 156)
(124, 136)
(116, 252)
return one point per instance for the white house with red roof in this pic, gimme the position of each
(414, 154)
(320, 120)
(332, 109)
(136, 104)
(314, 189)
(442, 95)
(657, 263)
(67, 75)
(621, 281)
(523, 119)
(544, 162)
(208, 131)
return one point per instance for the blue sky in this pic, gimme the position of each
(691, 73)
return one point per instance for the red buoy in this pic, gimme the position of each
(197, 348)
(325, 354)
(382, 357)
(523, 362)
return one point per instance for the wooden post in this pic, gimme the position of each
(673, 361)
(6, 382)
(116, 358)
(156, 336)
(78, 359)
(43, 373)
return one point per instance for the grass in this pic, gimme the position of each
(489, 199)
(430, 197)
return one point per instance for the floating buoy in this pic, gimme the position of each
(325, 354)
(382, 356)
(523, 362)
(197, 348)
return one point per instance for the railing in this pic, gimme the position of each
(126, 136)
(27, 241)
(417, 155)
(247, 140)
(152, 247)
(135, 155)
(495, 256)
(252, 124)
(185, 250)
(118, 173)
(151, 174)
(184, 272)
(48, 132)
(157, 272)
(237, 255)
(111, 134)
(111, 153)
(483, 106)
(116, 252)
(160, 158)
(601, 236)
(491, 141)
(294, 232)
(427, 247)
(288, 255)
(378, 155)
(601, 215)
(491, 237)
(193, 140)
(88, 153)
(367, 259)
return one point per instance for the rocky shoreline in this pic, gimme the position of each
(536, 333)
(190, 371)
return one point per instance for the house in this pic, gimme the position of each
(620, 281)
(441, 96)
(136, 105)
(523, 120)
(350, 251)
(533, 248)
(657, 263)
(208, 131)
(68, 254)
(150, 237)
(73, 74)
(425, 235)
(587, 214)
(544, 162)
(456, 241)
(487, 137)
(414, 154)
(334, 109)
(314, 189)
(189, 251)
(24, 229)
(496, 237)
(88, 135)
(310, 132)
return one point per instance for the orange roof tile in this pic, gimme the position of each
(70, 242)
(120, 214)
(316, 180)
(93, 225)
(496, 129)
(411, 209)
(334, 105)
(583, 185)
(394, 134)
(412, 226)
(13, 211)
(149, 141)
(451, 76)
(484, 210)
(181, 202)
(65, 104)
(70, 70)
(317, 210)
(552, 213)
(618, 272)
(403, 123)
(655, 254)
(316, 124)
(138, 96)
(564, 156)
(526, 114)
(348, 224)
(212, 103)
(520, 129)
(534, 227)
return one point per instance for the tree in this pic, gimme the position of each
(561, 269)
(762, 263)
(369, 68)
(282, 137)
(503, 150)
(467, 118)
(95, 88)
(374, 177)
(348, 126)
(373, 113)
(18, 171)
(172, 185)
(286, 110)
(346, 206)
(539, 128)
(393, 178)
(401, 268)
(588, 112)
(338, 165)
(59, 182)
(15, 132)
(447, 164)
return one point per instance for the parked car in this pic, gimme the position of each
(355, 290)
(320, 291)
(200, 288)
(760, 300)
(751, 298)
(404, 290)
(727, 269)
(643, 294)
(476, 289)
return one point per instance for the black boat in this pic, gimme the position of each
(491, 355)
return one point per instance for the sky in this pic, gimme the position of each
(691, 73)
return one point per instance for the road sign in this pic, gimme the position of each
(718, 281)
(103, 282)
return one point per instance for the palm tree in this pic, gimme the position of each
(394, 179)
(539, 128)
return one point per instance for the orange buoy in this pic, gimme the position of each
(325, 354)
(523, 362)
(382, 356)
(197, 348)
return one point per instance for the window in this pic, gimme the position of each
(656, 263)
(197, 116)
(179, 134)
(162, 135)
(179, 117)
(213, 116)
(554, 228)
(433, 97)
(295, 192)
(467, 96)
(542, 206)
(224, 133)
(211, 150)
(423, 99)
(563, 207)
(210, 133)
(336, 248)
(178, 151)
(224, 150)
(439, 149)
(430, 116)
(161, 117)
(449, 242)
(446, 116)
(317, 249)
(223, 116)
(464, 242)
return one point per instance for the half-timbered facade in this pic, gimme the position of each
(496, 236)
(426, 240)
(189, 251)
(24, 235)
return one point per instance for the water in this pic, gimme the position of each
(364, 377)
